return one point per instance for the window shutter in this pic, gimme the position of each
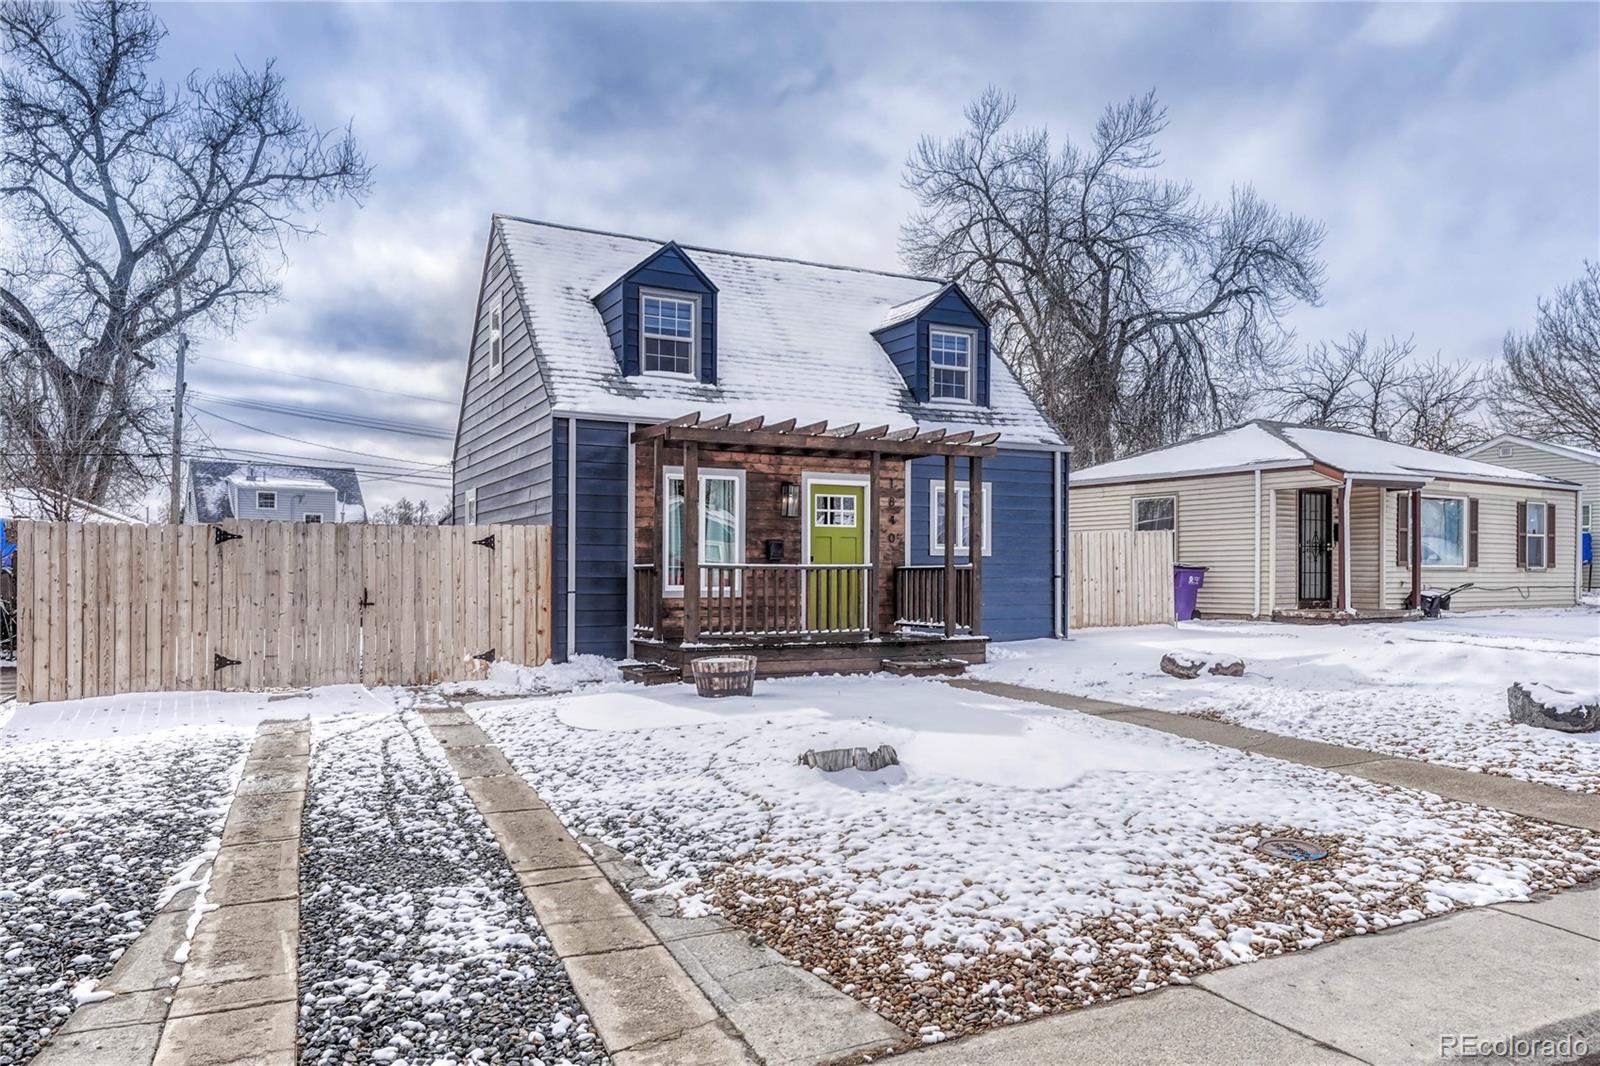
(1472, 532)
(1550, 536)
(1402, 524)
(1522, 536)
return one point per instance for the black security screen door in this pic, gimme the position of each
(1316, 548)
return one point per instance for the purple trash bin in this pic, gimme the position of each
(1186, 583)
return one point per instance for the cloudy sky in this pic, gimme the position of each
(1452, 151)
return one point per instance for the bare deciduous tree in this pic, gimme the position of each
(405, 512)
(137, 212)
(1384, 390)
(1549, 384)
(1134, 311)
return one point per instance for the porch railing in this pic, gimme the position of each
(646, 600)
(784, 599)
(919, 596)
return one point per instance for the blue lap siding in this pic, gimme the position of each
(601, 512)
(1019, 576)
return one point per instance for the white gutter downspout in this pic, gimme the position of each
(572, 537)
(1257, 613)
(1058, 594)
(1344, 544)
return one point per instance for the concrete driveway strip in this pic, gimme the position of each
(1527, 798)
(235, 998)
(659, 988)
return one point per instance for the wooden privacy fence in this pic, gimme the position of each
(106, 609)
(1121, 578)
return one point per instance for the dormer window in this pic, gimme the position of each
(667, 333)
(950, 355)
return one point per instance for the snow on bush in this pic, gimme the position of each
(1019, 859)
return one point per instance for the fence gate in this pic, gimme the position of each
(1121, 578)
(106, 609)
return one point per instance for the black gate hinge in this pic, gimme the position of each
(485, 656)
(223, 536)
(487, 542)
(220, 661)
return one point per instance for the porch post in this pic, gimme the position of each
(1416, 547)
(949, 545)
(975, 538)
(657, 550)
(1344, 546)
(691, 542)
(879, 570)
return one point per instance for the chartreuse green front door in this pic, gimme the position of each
(838, 538)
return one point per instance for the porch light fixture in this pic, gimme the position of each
(789, 499)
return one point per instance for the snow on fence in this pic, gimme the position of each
(110, 608)
(1121, 578)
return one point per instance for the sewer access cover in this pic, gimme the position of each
(1290, 848)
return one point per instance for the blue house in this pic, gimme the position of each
(787, 432)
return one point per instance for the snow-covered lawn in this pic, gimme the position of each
(1020, 860)
(416, 943)
(1433, 690)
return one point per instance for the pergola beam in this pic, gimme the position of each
(816, 438)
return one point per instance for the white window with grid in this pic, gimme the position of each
(834, 509)
(266, 501)
(950, 356)
(963, 524)
(667, 331)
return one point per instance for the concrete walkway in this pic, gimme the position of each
(659, 987)
(1411, 994)
(235, 997)
(1527, 798)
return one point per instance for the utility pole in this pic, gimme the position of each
(175, 507)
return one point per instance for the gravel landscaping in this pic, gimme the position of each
(416, 943)
(92, 832)
(1019, 860)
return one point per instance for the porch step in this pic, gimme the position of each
(651, 674)
(925, 667)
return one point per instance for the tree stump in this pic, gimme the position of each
(1184, 666)
(1552, 708)
(1230, 668)
(831, 760)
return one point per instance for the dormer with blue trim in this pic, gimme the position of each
(940, 343)
(661, 317)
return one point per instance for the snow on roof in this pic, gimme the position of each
(1263, 444)
(911, 308)
(794, 339)
(1571, 451)
(210, 479)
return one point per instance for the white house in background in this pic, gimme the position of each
(1296, 521)
(219, 489)
(1565, 461)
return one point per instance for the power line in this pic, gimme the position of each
(331, 381)
(300, 440)
(383, 425)
(285, 458)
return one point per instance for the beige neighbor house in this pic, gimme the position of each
(1565, 461)
(1295, 522)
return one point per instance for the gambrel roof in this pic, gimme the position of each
(794, 339)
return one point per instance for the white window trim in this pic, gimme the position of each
(266, 507)
(693, 300)
(1542, 536)
(469, 507)
(741, 531)
(1133, 512)
(497, 348)
(1585, 516)
(970, 374)
(1466, 534)
(935, 527)
(313, 518)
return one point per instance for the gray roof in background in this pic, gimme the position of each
(209, 480)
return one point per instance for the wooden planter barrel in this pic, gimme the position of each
(725, 675)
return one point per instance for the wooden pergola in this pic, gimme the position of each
(756, 435)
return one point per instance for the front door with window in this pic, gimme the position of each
(838, 535)
(1315, 539)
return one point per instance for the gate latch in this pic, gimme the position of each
(366, 599)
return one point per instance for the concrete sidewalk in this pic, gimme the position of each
(1527, 798)
(1411, 994)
